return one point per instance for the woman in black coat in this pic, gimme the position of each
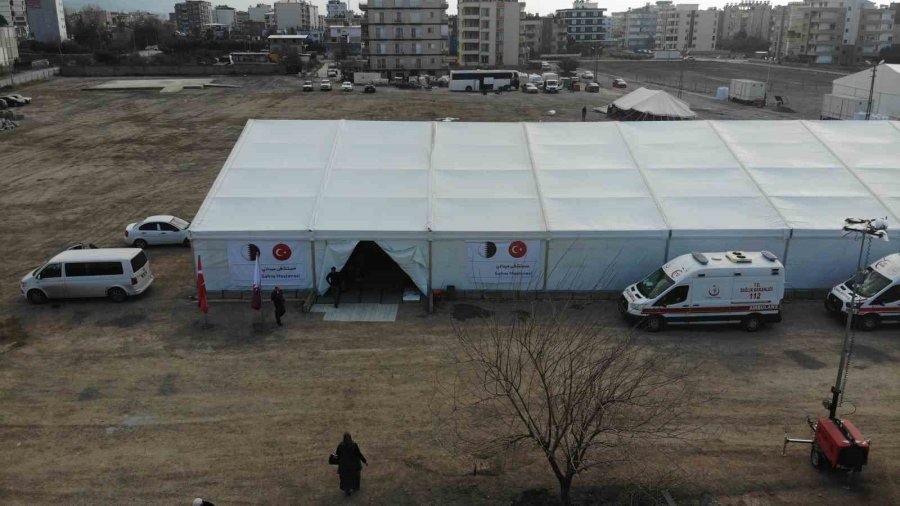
(350, 461)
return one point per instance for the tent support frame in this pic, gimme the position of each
(430, 288)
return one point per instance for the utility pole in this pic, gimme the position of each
(872, 90)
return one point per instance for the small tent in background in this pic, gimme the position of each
(853, 88)
(649, 105)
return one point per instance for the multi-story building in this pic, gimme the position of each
(684, 27)
(193, 15)
(615, 29)
(299, 16)
(753, 18)
(846, 32)
(9, 46)
(640, 28)
(530, 27)
(16, 17)
(876, 26)
(225, 16)
(404, 37)
(343, 42)
(46, 21)
(335, 8)
(453, 38)
(488, 33)
(584, 23)
(554, 37)
(258, 13)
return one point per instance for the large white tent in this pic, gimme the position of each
(543, 206)
(885, 96)
(643, 104)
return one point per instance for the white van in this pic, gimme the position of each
(116, 273)
(733, 286)
(878, 295)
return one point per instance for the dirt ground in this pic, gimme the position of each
(103, 403)
(801, 88)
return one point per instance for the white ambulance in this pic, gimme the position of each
(877, 295)
(734, 286)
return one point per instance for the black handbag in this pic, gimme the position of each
(332, 460)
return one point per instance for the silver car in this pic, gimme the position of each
(115, 273)
(155, 230)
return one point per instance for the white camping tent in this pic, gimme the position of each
(886, 97)
(649, 105)
(533, 206)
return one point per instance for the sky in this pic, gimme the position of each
(531, 6)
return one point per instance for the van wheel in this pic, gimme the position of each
(468, 88)
(869, 322)
(140, 243)
(186, 243)
(116, 294)
(752, 323)
(37, 297)
(655, 323)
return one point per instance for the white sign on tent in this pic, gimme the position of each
(282, 263)
(495, 262)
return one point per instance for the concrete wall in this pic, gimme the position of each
(28, 76)
(171, 70)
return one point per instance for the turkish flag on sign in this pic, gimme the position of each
(201, 288)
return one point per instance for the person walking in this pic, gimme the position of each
(278, 300)
(335, 281)
(350, 461)
(584, 113)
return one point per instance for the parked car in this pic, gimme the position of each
(619, 83)
(592, 88)
(529, 88)
(588, 76)
(689, 58)
(370, 88)
(346, 86)
(19, 97)
(12, 101)
(332, 72)
(307, 86)
(116, 273)
(162, 229)
(325, 85)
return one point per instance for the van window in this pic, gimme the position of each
(890, 296)
(138, 261)
(677, 295)
(81, 269)
(51, 271)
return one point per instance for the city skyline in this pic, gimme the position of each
(542, 7)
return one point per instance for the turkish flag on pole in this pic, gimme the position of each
(201, 288)
(256, 299)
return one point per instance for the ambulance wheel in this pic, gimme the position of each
(816, 458)
(655, 323)
(623, 306)
(869, 322)
(752, 323)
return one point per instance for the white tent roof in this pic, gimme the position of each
(347, 178)
(655, 102)
(887, 80)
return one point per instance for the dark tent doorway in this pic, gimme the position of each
(372, 276)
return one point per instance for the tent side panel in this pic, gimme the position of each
(728, 242)
(412, 257)
(283, 263)
(332, 253)
(822, 262)
(462, 263)
(608, 264)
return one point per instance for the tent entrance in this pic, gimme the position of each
(372, 276)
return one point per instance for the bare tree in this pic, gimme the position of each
(564, 385)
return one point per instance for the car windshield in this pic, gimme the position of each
(178, 222)
(655, 284)
(869, 283)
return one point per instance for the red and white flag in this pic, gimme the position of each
(201, 288)
(256, 299)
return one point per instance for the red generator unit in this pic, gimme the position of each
(838, 444)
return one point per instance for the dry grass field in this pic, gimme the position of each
(138, 403)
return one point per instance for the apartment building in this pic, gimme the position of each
(297, 16)
(46, 21)
(750, 17)
(845, 32)
(554, 35)
(192, 15)
(14, 12)
(615, 29)
(225, 16)
(640, 28)
(530, 28)
(584, 22)
(9, 47)
(258, 13)
(684, 27)
(404, 37)
(876, 26)
(488, 33)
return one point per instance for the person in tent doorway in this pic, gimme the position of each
(350, 461)
(334, 280)
(278, 301)
(584, 113)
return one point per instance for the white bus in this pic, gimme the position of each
(477, 80)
